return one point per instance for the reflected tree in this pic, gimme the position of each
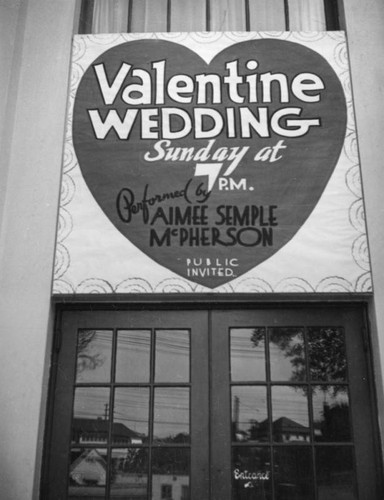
(136, 461)
(327, 354)
(335, 423)
(86, 359)
(170, 461)
(326, 350)
(290, 342)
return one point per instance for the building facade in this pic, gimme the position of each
(198, 417)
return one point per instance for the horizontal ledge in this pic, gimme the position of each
(209, 300)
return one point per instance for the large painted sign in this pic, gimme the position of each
(217, 161)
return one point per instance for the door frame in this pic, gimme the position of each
(357, 354)
(208, 302)
(66, 380)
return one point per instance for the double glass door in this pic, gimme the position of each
(261, 404)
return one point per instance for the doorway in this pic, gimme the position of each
(260, 403)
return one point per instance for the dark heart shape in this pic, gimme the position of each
(208, 238)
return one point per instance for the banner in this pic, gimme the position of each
(211, 161)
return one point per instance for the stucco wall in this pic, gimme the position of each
(35, 121)
(365, 31)
(9, 15)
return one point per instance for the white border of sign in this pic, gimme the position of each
(93, 257)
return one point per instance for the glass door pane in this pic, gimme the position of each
(124, 425)
(286, 429)
(267, 404)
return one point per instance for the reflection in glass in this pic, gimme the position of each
(90, 422)
(293, 473)
(133, 355)
(172, 356)
(130, 415)
(327, 356)
(129, 478)
(249, 413)
(287, 354)
(94, 349)
(251, 473)
(170, 473)
(331, 413)
(87, 473)
(290, 414)
(171, 414)
(247, 354)
(335, 473)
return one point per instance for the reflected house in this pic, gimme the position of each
(95, 431)
(89, 469)
(285, 430)
(88, 476)
(170, 470)
(170, 487)
(89, 466)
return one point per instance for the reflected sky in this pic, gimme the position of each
(172, 356)
(91, 402)
(132, 408)
(290, 402)
(171, 412)
(133, 356)
(287, 354)
(247, 354)
(249, 407)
